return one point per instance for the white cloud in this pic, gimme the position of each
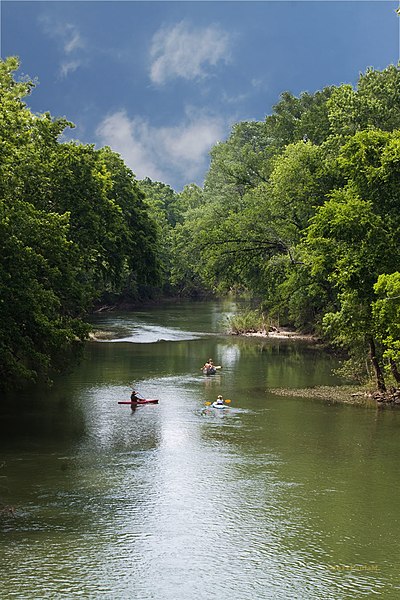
(185, 52)
(69, 39)
(169, 154)
(132, 139)
(235, 99)
(72, 39)
(69, 66)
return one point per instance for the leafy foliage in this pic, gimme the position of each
(302, 211)
(73, 225)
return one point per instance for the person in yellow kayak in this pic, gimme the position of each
(220, 403)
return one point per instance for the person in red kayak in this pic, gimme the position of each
(134, 398)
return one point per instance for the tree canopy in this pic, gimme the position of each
(299, 211)
(73, 226)
(302, 212)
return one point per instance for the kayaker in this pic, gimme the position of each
(220, 400)
(134, 398)
(209, 368)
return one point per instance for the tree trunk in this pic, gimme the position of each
(380, 380)
(395, 371)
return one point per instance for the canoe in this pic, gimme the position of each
(209, 371)
(135, 402)
(219, 406)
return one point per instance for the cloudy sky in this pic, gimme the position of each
(162, 82)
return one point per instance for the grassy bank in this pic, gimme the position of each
(343, 394)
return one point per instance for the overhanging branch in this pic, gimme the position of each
(256, 247)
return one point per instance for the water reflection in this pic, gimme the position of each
(272, 499)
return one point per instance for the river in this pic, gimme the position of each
(277, 497)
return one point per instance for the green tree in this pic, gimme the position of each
(161, 201)
(350, 245)
(375, 103)
(73, 225)
(263, 184)
(386, 315)
(39, 296)
(189, 198)
(294, 119)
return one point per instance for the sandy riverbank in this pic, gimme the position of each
(281, 334)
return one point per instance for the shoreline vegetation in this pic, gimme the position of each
(254, 324)
(307, 203)
(344, 394)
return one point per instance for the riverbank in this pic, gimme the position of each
(345, 394)
(342, 394)
(357, 395)
(282, 333)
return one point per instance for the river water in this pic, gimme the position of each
(277, 497)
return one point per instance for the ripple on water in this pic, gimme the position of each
(165, 504)
(150, 334)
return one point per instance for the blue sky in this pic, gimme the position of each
(162, 82)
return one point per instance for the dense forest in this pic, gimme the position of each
(299, 212)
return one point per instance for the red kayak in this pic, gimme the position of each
(138, 402)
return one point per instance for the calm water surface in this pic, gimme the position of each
(278, 497)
